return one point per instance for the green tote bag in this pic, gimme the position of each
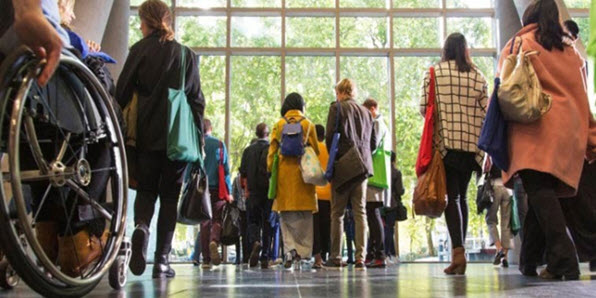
(272, 193)
(183, 137)
(381, 159)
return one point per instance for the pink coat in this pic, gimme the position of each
(557, 143)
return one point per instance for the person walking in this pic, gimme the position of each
(461, 103)
(216, 155)
(321, 219)
(151, 69)
(254, 169)
(356, 142)
(547, 157)
(295, 200)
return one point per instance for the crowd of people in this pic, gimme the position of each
(549, 172)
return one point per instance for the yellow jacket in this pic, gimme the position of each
(292, 193)
(324, 192)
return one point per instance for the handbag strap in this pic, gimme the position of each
(513, 42)
(307, 134)
(221, 155)
(337, 115)
(182, 67)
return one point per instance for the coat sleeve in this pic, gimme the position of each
(128, 78)
(194, 94)
(244, 164)
(424, 93)
(330, 130)
(273, 147)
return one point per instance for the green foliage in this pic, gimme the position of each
(371, 77)
(256, 32)
(256, 3)
(405, 37)
(477, 30)
(577, 3)
(299, 32)
(201, 3)
(310, 3)
(363, 32)
(416, 3)
(134, 30)
(202, 31)
(213, 83)
(584, 29)
(362, 3)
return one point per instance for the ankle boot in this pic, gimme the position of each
(47, 236)
(161, 267)
(458, 262)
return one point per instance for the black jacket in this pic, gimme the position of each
(254, 168)
(356, 128)
(150, 69)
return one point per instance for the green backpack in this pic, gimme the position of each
(381, 160)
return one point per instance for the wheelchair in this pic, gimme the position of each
(64, 169)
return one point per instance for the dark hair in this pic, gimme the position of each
(293, 101)
(393, 156)
(370, 103)
(320, 132)
(262, 130)
(545, 13)
(455, 48)
(158, 17)
(572, 27)
(207, 125)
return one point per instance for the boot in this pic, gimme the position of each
(139, 241)
(77, 252)
(458, 262)
(47, 236)
(161, 267)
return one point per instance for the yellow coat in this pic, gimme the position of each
(324, 192)
(292, 193)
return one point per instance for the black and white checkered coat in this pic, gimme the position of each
(462, 103)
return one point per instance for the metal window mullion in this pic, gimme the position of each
(391, 70)
(228, 75)
(173, 8)
(337, 43)
(444, 15)
(283, 50)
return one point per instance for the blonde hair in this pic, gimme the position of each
(157, 16)
(346, 86)
(64, 7)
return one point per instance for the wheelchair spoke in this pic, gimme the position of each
(43, 200)
(68, 229)
(63, 148)
(85, 196)
(51, 113)
(34, 144)
(103, 170)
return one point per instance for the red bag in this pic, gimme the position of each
(425, 151)
(223, 187)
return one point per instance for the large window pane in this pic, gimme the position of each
(213, 84)
(202, 31)
(201, 3)
(310, 32)
(362, 3)
(256, 32)
(417, 3)
(577, 3)
(310, 3)
(256, 3)
(478, 31)
(255, 98)
(134, 30)
(363, 33)
(313, 78)
(139, 2)
(370, 75)
(469, 3)
(405, 36)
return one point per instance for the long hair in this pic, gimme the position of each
(157, 16)
(455, 48)
(545, 13)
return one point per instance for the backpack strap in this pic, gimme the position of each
(307, 133)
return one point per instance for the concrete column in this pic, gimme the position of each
(92, 18)
(115, 39)
(508, 20)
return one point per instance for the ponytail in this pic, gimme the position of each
(156, 14)
(545, 14)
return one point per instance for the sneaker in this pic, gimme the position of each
(359, 265)
(195, 263)
(317, 266)
(289, 260)
(253, 260)
(334, 264)
(138, 257)
(505, 264)
(377, 263)
(206, 266)
(498, 257)
(528, 270)
(214, 254)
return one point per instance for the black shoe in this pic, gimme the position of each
(161, 267)
(545, 274)
(265, 264)
(505, 264)
(253, 260)
(498, 257)
(139, 241)
(528, 270)
(291, 257)
(593, 266)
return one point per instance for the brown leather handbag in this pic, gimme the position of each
(430, 194)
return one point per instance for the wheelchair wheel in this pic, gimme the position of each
(8, 277)
(118, 273)
(64, 188)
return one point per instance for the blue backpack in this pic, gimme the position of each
(292, 139)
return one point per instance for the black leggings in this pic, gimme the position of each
(456, 213)
(375, 227)
(158, 176)
(322, 226)
(545, 228)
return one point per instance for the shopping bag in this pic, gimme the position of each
(493, 136)
(430, 194)
(194, 205)
(381, 159)
(230, 230)
(272, 193)
(425, 151)
(334, 145)
(221, 175)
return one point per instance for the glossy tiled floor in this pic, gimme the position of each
(405, 280)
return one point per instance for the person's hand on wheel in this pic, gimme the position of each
(36, 32)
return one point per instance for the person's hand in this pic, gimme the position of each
(230, 199)
(36, 32)
(93, 46)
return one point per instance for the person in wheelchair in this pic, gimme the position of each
(71, 232)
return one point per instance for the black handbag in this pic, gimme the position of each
(195, 203)
(349, 170)
(485, 194)
(402, 212)
(230, 230)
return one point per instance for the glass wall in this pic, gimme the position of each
(254, 52)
